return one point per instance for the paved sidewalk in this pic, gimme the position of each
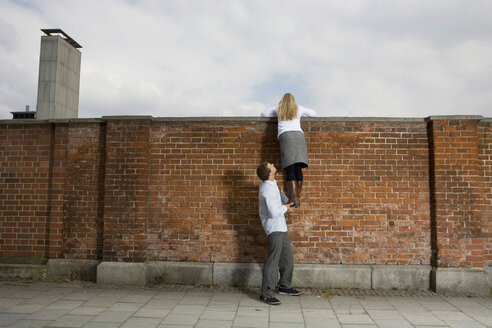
(80, 304)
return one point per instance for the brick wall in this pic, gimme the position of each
(84, 191)
(387, 191)
(25, 184)
(485, 170)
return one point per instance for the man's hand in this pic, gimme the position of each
(289, 208)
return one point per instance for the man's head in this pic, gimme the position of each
(266, 171)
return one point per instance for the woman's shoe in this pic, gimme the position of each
(298, 189)
(292, 193)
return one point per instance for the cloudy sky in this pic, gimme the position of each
(405, 58)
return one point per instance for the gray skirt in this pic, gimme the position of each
(293, 148)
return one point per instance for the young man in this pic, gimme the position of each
(280, 256)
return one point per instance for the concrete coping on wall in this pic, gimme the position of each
(250, 119)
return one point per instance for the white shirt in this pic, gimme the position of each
(292, 125)
(271, 209)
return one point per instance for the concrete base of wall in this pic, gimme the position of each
(22, 268)
(460, 280)
(332, 276)
(35, 272)
(85, 270)
(401, 277)
(237, 274)
(489, 272)
(411, 277)
(122, 273)
(305, 275)
(183, 273)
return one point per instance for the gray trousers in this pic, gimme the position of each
(280, 259)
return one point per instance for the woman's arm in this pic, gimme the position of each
(307, 112)
(270, 112)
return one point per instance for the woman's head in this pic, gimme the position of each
(287, 108)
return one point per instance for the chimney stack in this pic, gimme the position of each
(59, 76)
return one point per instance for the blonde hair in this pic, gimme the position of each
(287, 108)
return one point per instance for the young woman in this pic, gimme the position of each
(293, 148)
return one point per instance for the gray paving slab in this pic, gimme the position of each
(113, 316)
(206, 323)
(286, 325)
(188, 309)
(424, 319)
(65, 305)
(102, 300)
(321, 323)
(169, 295)
(286, 307)
(315, 303)
(223, 306)
(465, 324)
(385, 314)
(46, 314)
(249, 311)
(141, 323)
(195, 300)
(392, 323)
(87, 310)
(43, 299)
(7, 319)
(355, 319)
(25, 308)
(25, 293)
(102, 325)
(226, 297)
(5, 303)
(125, 307)
(287, 317)
(440, 305)
(373, 304)
(71, 321)
(250, 322)
(30, 324)
(319, 313)
(138, 298)
(161, 303)
(452, 315)
(181, 319)
(218, 315)
(90, 305)
(82, 295)
(148, 312)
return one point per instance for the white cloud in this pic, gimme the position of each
(234, 58)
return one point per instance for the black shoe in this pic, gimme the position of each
(288, 291)
(269, 300)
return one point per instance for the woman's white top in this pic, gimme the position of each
(292, 125)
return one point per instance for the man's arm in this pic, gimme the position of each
(284, 198)
(274, 206)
